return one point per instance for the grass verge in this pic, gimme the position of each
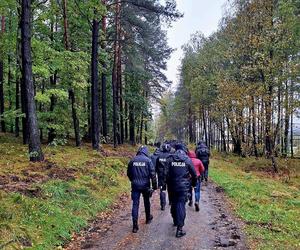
(269, 205)
(43, 204)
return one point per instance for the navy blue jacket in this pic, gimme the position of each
(202, 153)
(161, 167)
(154, 156)
(140, 170)
(181, 172)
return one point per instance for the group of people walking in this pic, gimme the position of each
(173, 169)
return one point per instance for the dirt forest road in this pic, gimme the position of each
(213, 227)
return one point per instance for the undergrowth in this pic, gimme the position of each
(268, 204)
(77, 185)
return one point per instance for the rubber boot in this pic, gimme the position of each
(135, 227)
(180, 232)
(149, 219)
(197, 207)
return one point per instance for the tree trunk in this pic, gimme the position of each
(103, 79)
(119, 79)
(51, 131)
(18, 80)
(190, 124)
(126, 121)
(35, 151)
(131, 125)
(254, 127)
(286, 120)
(71, 90)
(3, 129)
(75, 118)
(204, 125)
(95, 116)
(292, 119)
(114, 77)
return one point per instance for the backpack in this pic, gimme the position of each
(202, 152)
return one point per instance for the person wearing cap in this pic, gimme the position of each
(180, 175)
(141, 174)
(199, 168)
(161, 168)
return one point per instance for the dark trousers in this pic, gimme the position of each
(162, 196)
(205, 174)
(178, 208)
(135, 196)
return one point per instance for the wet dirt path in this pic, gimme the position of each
(214, 227)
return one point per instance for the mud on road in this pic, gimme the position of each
(214, 227)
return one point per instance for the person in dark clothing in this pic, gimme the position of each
(203, 155)
(180, 175)
(154, 156)
(161, 168)
(140, 171)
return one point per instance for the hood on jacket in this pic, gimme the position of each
(192, 154)
(181, 147)
(180, 155)
(165, 148)
(143, 150)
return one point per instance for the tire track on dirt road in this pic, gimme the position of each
(214, 227)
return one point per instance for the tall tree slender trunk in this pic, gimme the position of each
(190, 124)
(292, 119)
(3, 129)
(71, 90)
(204, 125)
(35, 151)
(51, 132)
(254, 126)
(286, 120)
(53, 78)
(95, 117)
(120, 84)
(103, 78)
(18, 80)
(131, 125)
(115, 77)
(126, 122)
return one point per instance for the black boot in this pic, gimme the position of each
(190, 203)
(162, 208)
(197, 206)
(135, 227)
(180, 232)
(149, 219)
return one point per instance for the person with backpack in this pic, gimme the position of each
(203, 154)
(140, 172)
(161, 168)
(180, 175)
(199, 168)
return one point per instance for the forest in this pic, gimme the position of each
(82, 71)
(84, 83)
(239, 88)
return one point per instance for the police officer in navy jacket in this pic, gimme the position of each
(180, 175)
(161, 166)
(141, 172)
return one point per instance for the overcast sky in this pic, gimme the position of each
(199, 15)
